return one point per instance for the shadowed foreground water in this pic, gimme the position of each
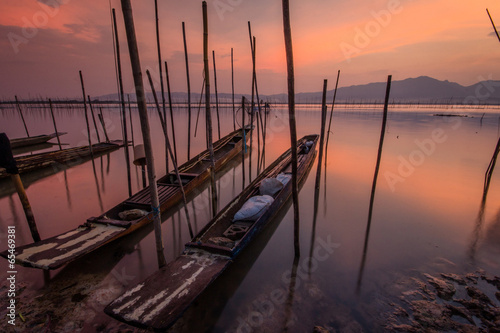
(428, 218)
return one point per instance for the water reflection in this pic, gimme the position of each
(429, 214)
(480, 217)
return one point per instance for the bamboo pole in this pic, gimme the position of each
(86, 115)
(199, 107)
(207, 107)
(244, 148)
(374, 184)
(55, 126)
(131, 122)
(8, 162)
(143, 113)
(232, 90)
(322, 134)
(162, 87)
(122, 100)
(331, 114)
(93, 119)
(174, 159)
(171, 112)
(188, 90)
(101, 119)
(22, 116)
(493, 23)
(293, 129)
(216, 94)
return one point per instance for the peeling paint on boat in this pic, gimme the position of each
(97, 233)
(89, 239)
(69, 234)
(34, 250)
(176, 293)
(189, 264)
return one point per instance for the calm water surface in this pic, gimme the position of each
(425, 218)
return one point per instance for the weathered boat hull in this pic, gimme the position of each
(57, 251)
(60, 157)
(161, 299)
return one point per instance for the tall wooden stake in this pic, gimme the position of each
(374, 184)
(143, 113)
(22, 116)
(322, 135)
(101, 119)
(122, 100)
(162, 87)
(131, 122)
(244, 149)
(174, 159)
(331, 113)
(93, 119)
(86, 115)
(216, 94)
(171, 112)
(293, 129)
(188, 90)
(232, 90)
(55, 126)
(207, 107)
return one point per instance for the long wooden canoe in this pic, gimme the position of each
(162, 298)
(33, 140)
(56, 251)
(56, 158)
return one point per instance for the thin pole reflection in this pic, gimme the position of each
(480, 216)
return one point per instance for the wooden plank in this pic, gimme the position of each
(54, 252)
(163, 297)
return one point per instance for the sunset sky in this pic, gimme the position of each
(45, 43)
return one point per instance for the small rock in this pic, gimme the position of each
(462, 312)
(444, 289)
(472, 277)
(455, 278)
(495, 281)
(478, 294)
(320, 329)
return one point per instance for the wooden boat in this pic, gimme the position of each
(157, 302)
(56, 251)
(56, 158)
(33, 140)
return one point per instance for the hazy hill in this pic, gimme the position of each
(422, 89)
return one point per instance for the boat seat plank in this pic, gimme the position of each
(56, 251)
(143, 197)
(159, 300)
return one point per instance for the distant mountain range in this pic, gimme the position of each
(422, 89)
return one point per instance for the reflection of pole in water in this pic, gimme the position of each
(374, 185)
(480, 217)
(291, 294)
(68, 194)
(99, 198)
(103, 186)
(194, 217)
(318, 172)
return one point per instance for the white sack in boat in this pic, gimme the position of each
(270, 186)
(284, 178)
(253, 208)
